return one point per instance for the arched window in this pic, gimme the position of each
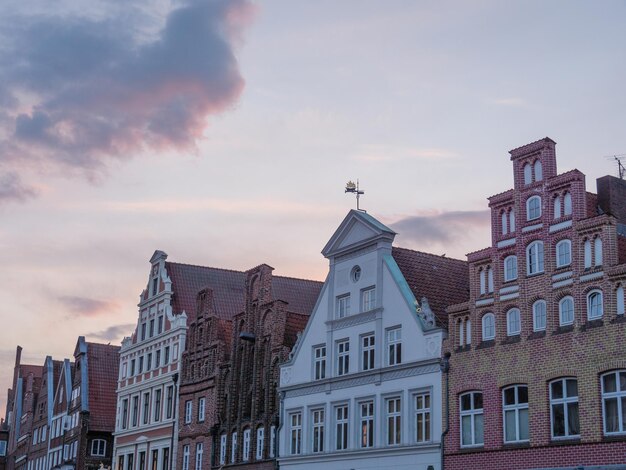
(510, 268)
(471, 411)
(534, 258)
(538, 170)
(595, 307)
(563, 253)
(512, 221)
(489, 279)
(564, 408)
(504, 223)
(461, 329)
(483, 282)
(468, 331)
(557, 207)
(587, 253)
(539, 315)
(533, 208)
(614, 402)
(489, 326)
(619, 293)
(233, 447)
(566, 311)
(260, 440)
(528, 174)
(223, 439)
(597, 252)
(513, 322)
(567, 204)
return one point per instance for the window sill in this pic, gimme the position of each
(529, 275)
(564, 441)
(470, 449)
(614, 438)
(563, 329)
(511, 339)
(592, 324)
(619, 319)
(490, 343)
(537, 334)
(516, 445)
(465, 348)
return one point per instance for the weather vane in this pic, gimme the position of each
(354, 189)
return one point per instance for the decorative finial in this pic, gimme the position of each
(354, 189)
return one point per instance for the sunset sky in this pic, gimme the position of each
(223, 133)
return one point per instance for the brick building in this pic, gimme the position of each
(537, 358)
(246, 322)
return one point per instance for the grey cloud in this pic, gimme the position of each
(445, 227)
(12, 189)
(113, 333)
(86, 306)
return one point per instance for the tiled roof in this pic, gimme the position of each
(228, 290)
(443, 281)
(592, 204)
(103, 362)
(295, 324)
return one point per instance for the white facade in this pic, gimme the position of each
(147, 395)
(362, 389)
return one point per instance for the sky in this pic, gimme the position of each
(224, 132)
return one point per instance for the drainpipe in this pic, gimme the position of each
(281, 410)
(445, 368)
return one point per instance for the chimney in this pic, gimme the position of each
(612, 197)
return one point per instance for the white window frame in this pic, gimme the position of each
(393, 421)
(489, 326)
(394, 345)
(96, 451)
(246, 445)
(619, 300)
(540, 315)
(562, 321)
(468, 332)
(260, 442)
(233, 447)
(422, 417)
(597, 251)
(535, 258)
(343, 357)
(564, 401)
(563, 252)
(618, 395)
(528, 173)
(516, 408)
(482, 278)
(343, 306)
(567, 204)
(318, 424)
(201, 409)
(186, 457)
(587, 253)
(533, 211)
(319, 362)
(199, 454)
(538, 170)
(489, 280)
(368, 299)
(366, 428)
(188, 411)
(475, 414)
(510, 268)
(592, 305)
(223, 441)
(368, 351)
(342, 434)
(504, 217)
(272, 442)
(513, 325)
(557, 207)
(295, 433)
(512, 221)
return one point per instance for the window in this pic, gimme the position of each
(166, 356)
(489, 326)
(246, 445)
(135, 409)
(188, 410)
(165, 463)
(534, 258)
(367, 424)
(170, 399)
(355, 274)
(157, 405)
(564, 408)
(557, 207)
(594, 305)
(143, 331)
(539, 315)
(233, 448)
(472, 431)
(563, 253)
(513, 322)
(341, 427)
(140, 365)
(157, 359)
(511, 221)
(317, 418)
(468, 331)
(483, 281)
(587, 251)
(394, 346)
(160, 325)
(155, 459)
(619, 294)
(272, 442)
(528, 174)
(319, 354)
(151, 328)
(260, 436)
(567, 204)
(566, 311)
(597, 252)
(533, 208)
(343, 306)
(201, 403)
(504, 223)
(132, 367)
(343, 357)
(295, 420)
(489, 280)
(146, 407)
(614, 402)
(149, 362)
(538, 171)
(461, 332)
(510, 268)
(223, 439)
(368, 299)
(185, 457)
(199, 452)
(515, 409)
(124, 415)
(422, 417)
(394, 421)
(368, 351)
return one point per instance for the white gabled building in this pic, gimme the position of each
(362, 388)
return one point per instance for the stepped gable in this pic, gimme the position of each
(443, 281)
(103, 363)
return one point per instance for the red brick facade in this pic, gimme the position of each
(538, 340)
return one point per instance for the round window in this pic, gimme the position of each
(355, 274)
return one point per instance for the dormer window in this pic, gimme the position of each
(533, 208)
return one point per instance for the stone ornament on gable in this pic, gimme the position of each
(286, 374)
(425, 313)
(295, 346)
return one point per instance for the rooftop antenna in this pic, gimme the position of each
(620, 166)
(354, 189)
